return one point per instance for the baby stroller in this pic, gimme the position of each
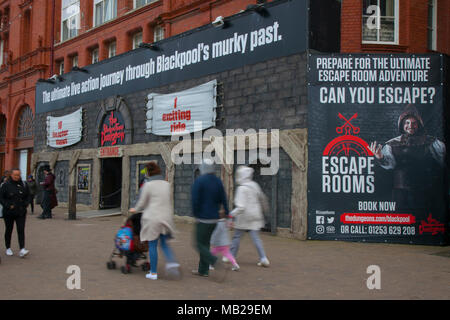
(128, 244)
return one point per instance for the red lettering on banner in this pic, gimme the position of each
(113, 132)
(431, 226)
(110, 152)
(377, 218)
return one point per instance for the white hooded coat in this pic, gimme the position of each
(249, 201)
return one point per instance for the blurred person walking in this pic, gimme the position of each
(208, 195)
(157, 220)
(250, 203)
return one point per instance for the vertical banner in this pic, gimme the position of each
(376, 148)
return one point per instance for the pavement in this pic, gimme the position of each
(299, 269)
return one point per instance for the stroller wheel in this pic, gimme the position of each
(125, 269)
(109, 265)
(113, 264)
(145, 266)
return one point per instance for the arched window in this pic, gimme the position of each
(25, 125)
(2, 129)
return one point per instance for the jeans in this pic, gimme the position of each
(9, 226)
(254, 234)
(203, 232)
(153, 252)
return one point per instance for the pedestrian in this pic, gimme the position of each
(208, 195)
(6, 176)
(220, 240)
(49, 200)
(157, 220)
(14, 197)
(32, 187)
(250, 202)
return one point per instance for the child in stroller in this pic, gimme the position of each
(128, 244)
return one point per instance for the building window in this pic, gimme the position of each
(25, 127)
(104, 10)
(61, 67)
(111, 49)
(432, 24)
(70, 19)
(2, 129)
(137, 40)
(94, 55)
(26, 32)
(141, 3)
(380, 21)
(75, 61)
(2, 49)
(158, 33)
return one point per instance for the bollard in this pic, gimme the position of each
(72, 203)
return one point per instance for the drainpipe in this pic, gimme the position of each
(52, 39)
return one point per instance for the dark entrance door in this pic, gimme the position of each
(111, 183)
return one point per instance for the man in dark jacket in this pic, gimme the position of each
(14, 197)
(49, 199)
(208, 195)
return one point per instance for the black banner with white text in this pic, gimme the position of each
(376, 148)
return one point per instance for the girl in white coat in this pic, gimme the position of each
(250, 202)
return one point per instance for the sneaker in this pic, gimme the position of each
(23, 252)
(211, 268)
(152, 276)
(264, 263)
(225, 259)
(235, 267)
(9, 252)
(173, 271)
(220, 271)
(196, 273)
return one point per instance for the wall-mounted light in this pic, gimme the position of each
(150, 46)
(258, 8)
(76, 68)
(56, 77)
(219, 22)
(47, 80)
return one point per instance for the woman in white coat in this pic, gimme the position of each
(157, 220)
(250, 202)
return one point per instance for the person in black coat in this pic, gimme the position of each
(14, 197)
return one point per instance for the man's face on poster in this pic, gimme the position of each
(410, 126)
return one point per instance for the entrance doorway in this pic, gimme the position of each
(111, 183)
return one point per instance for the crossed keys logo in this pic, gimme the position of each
(347, 126)
(347, 144)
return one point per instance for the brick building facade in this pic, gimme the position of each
(405, 26)
(84, 32)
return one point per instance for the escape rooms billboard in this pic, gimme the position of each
(376, 148)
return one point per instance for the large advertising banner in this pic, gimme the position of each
(376, 148)
(278, 29)
(178, 112)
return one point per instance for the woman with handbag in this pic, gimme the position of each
(157, 223)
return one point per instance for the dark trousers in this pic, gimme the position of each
(32, 203)
(203, 232)
(9, 226)
(46, 205)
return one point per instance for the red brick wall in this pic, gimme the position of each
(413, 22)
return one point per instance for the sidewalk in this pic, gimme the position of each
(299, 269)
